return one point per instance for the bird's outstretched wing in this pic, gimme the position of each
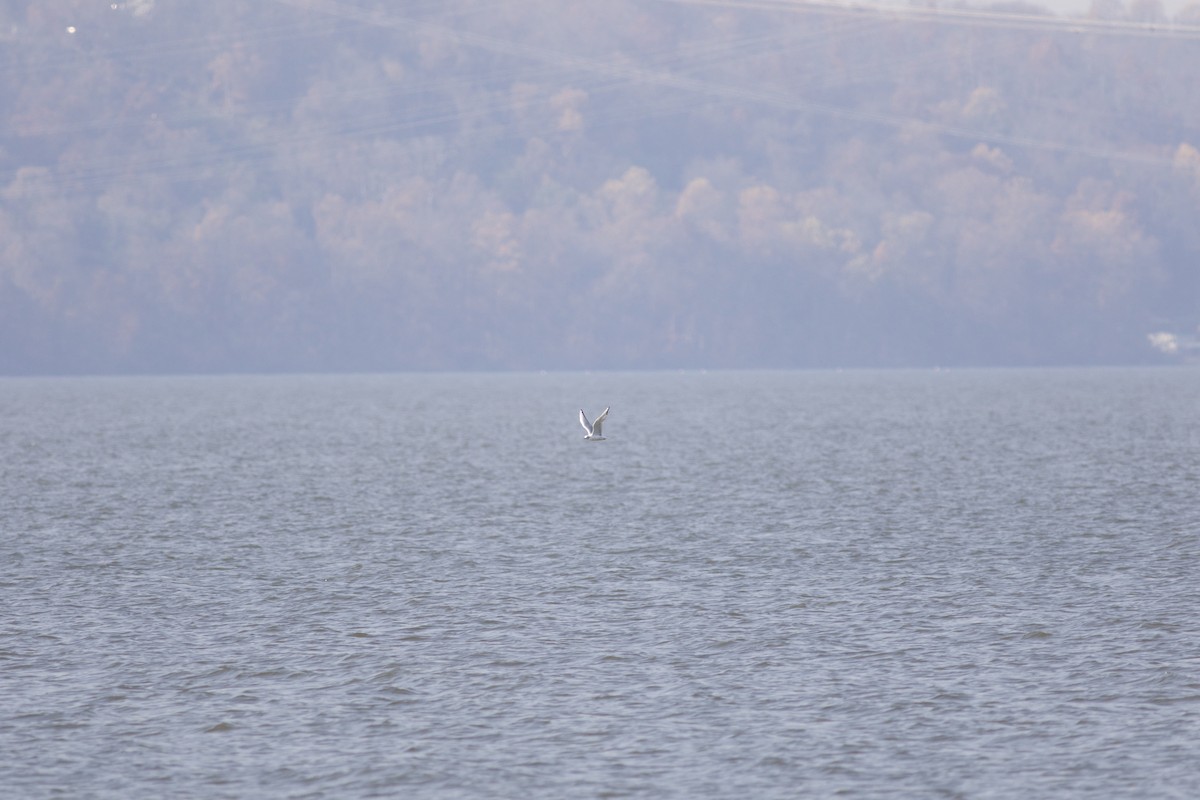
(583, 420)
(599, 422)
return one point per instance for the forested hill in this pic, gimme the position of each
(454, 184)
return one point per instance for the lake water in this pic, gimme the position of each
(762, 585)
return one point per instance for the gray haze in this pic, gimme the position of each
(322, 185)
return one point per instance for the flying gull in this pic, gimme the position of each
(592, 428)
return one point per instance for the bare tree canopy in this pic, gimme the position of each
(359, 185)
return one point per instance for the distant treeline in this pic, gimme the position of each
(366, 185)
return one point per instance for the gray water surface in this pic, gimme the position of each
(768, 585)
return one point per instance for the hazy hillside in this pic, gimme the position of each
(312, 185)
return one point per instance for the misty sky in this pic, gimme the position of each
(312, 185)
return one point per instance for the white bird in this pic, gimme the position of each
(592, 428)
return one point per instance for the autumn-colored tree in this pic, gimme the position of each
(307, 185)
